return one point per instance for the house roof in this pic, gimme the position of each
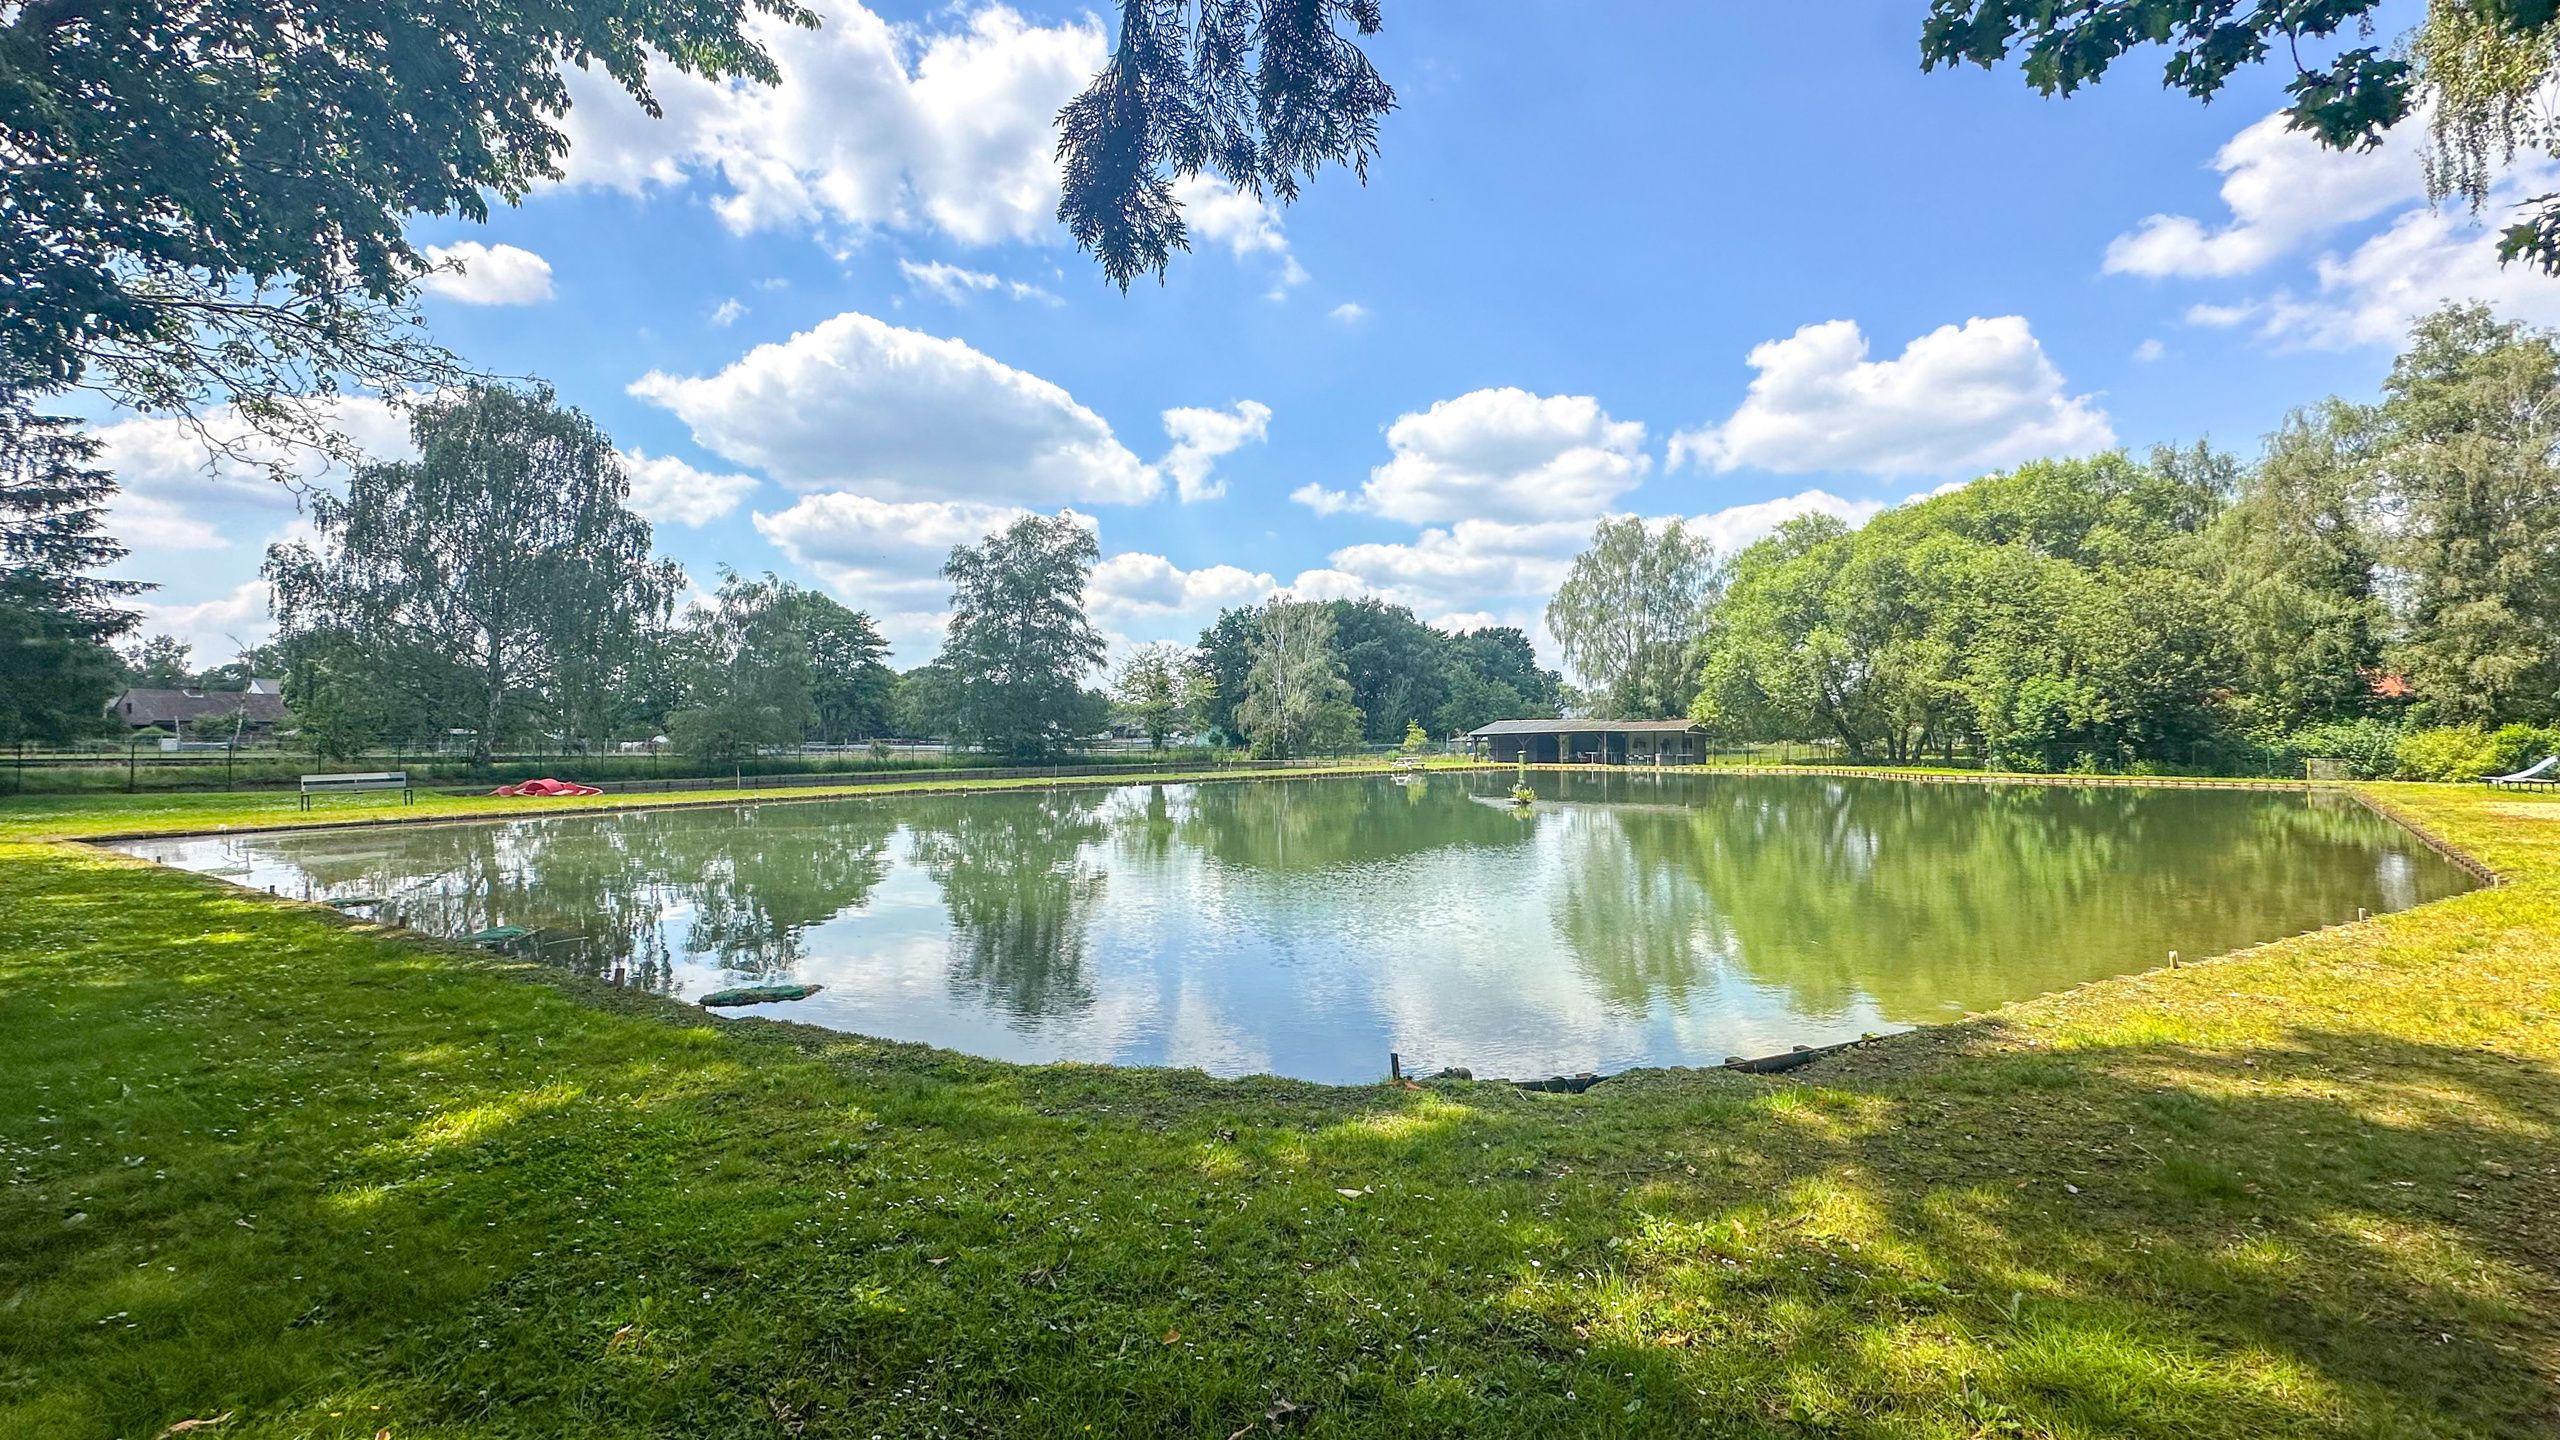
(1585, 727)
(262, 704)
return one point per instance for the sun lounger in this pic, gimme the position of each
(2539, 774)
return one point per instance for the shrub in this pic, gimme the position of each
(2370, 747)
(2451, 752)
(2517, 746)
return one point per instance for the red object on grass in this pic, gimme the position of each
(545, 786)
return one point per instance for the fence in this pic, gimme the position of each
(135, 768)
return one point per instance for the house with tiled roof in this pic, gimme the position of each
(258, 708)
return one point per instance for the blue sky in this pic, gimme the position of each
(1723, 263)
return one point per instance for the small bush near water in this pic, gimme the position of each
(2381, 750)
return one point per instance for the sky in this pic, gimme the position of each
(1728, 263)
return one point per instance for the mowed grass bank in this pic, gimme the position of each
(261, 1164)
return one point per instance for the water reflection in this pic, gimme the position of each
(1309, 926)
(1021, 892)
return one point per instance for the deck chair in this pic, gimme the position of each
(2537, 773)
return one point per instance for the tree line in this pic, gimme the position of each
(498, 593)
(2382, 576)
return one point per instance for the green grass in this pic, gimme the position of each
(264, 1164)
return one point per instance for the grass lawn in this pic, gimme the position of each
(263, 1165)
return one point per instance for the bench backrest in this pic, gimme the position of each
(378, 780)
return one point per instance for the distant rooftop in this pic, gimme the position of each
(1585, 727)
(263, 703)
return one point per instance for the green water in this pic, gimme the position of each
(1308, 927)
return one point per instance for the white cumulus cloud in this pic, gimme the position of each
(862, 405)
(2283, 188)
(667, 491)
(178, 483)
(874, 126)
(956, 283)
(1201, 436)
(1974, 396)
(477, 274)
(2424, 259)
(1501, 454)
(218, 629)
(1246, 224)
(1136, 596)
(1738, 526)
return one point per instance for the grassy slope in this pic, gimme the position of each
(258, 1162)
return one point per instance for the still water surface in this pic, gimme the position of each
(1308, 927)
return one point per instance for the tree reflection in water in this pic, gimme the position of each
(1919, 898)
(1021, 892)
(631, 892)
(1310, 925)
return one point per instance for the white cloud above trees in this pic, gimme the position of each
(1248, 225)
(1201, 437)
(1498, 454)
(2361, 285)
(477, 274)
(2283, 189)
(1974, 396)
(858, 404)
(944, 127)
(667, 491)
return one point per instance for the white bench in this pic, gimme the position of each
(376, 780)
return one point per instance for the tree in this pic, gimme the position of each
(849, 683)
(925, 703)
(1493, 674)
(1226, 652)
(1416, 739)
(56, 616)
(1255, 92)
(1020, 643)
(1297, 700)
(158, 663)
(1160, 688)
(1627, 616)
(211, 201)
(1398, 666)
(2297, 567)
(2052, 617)
(2476, 67)
(497, 578)
(746, 672)
(2471, 491)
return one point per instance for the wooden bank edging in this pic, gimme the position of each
(1934, 777)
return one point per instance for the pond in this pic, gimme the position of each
(1308, 927)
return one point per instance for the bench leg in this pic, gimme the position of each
(306, 799)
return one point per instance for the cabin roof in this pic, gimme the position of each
(1585, 727)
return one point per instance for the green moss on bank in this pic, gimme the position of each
(263, 1163)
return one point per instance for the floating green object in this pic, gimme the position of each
(760, 994)
(353, 902)
(498, 935)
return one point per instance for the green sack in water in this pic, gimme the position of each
(760, 994)
(498, 935)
